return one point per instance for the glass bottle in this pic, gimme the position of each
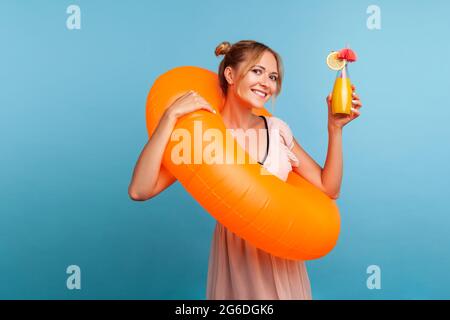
(341, 102)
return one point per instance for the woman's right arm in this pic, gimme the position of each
(149, 177)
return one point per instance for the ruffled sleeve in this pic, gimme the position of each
(287, 139)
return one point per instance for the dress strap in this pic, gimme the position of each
(267, 144)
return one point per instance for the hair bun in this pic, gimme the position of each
(223, 48)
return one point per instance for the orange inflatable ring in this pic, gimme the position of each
(293, 220)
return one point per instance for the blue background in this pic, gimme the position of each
(72, 125)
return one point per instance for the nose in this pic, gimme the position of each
(263, 80)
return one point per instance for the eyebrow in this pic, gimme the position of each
(257, 65)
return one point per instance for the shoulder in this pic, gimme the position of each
(285, 131)
(277, 122)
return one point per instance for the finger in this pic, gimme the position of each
(328, 99)
(182, 96)
(355, 96)
(200, 98)
(356, 112)
(357, 103)
(353, 87)
(204, 105)
(208, 108)
(189, 93)
(203, 101)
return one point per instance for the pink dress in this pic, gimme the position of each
(239, 271)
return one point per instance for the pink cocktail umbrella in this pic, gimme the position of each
(347, 54)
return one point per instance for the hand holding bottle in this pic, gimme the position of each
(339, 120)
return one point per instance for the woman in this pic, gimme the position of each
(250, 74)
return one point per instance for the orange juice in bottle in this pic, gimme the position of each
(341, 100)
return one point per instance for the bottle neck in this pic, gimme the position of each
(343, 73)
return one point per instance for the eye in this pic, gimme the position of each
(257, 71)
(273, 78)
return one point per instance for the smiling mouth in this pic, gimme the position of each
(259, 93)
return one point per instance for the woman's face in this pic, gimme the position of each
(260, 82)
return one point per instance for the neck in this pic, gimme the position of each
(235, 115)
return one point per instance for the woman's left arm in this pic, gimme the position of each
(329, 178)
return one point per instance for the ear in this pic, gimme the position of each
(229, 75)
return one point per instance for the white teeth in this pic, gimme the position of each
(259, 93)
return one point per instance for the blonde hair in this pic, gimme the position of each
(247, 51)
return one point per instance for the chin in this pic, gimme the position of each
(257, 104)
